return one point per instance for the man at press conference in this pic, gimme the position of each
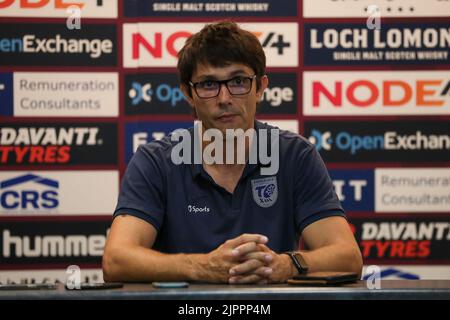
(227, 222)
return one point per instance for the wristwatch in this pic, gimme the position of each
(298, 261)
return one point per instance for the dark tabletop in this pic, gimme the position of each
(390, 289)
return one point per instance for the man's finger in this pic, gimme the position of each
(246, 237)
(253, 278)
(261, 256)
(264, 248)
(245, 249)
(263, 272)
(246, 267)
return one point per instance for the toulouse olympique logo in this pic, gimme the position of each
(60, 144)
(52, 242)
(381, 142)
(55, 45)
(171, 8)
(355, 44)
(265, 191)
(403, 239)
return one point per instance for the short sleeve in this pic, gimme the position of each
(142, 189)
(314, 196)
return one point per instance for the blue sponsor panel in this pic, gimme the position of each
(394, 43)
(393, 273)
(154, 93)
(280, 97)
(355, 189)
(216, 8)
(44, 44)
(369, 141)
(6, 94)
(143, 132)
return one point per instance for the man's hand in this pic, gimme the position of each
(278, 269)
(240, 258)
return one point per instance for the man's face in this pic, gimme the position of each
(226, 111)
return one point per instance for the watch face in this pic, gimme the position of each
(301, 261)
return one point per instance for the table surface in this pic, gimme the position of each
(390, 289)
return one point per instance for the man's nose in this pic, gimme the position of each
(224, 94)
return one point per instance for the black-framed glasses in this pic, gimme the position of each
(236, 86)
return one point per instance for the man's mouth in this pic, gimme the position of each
(227, 117)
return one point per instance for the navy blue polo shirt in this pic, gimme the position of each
(193, 214)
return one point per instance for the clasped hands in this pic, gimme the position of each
(247, 259)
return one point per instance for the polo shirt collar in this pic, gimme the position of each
(197, 169)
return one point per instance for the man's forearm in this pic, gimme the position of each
(333, 258)
(142, 264)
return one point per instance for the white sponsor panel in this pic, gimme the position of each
(66, 94)
(47, 276)
(412, 272)
(290, 125)
(157, 44)
(412, 190)
(25, 193)
(59, 9)
(387, 8)
(375, 93)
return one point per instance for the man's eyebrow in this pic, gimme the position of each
(230, 75)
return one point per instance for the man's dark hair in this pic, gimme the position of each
(220, 44)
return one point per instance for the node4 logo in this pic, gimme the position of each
(29, 198)
(341, 93)
(58, 8)
(265, 191)
(163, 92)
(157, 44)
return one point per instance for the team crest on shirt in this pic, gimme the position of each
(265, 191)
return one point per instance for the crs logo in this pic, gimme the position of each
(26, 198)
(163, 92)
(321, 140)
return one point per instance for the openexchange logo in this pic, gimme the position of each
(45, 197)
(32, 44)
(391, 140)
(162, 92)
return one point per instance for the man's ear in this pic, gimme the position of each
(186, 94)
(264, 83)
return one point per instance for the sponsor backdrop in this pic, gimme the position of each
(366, 81)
